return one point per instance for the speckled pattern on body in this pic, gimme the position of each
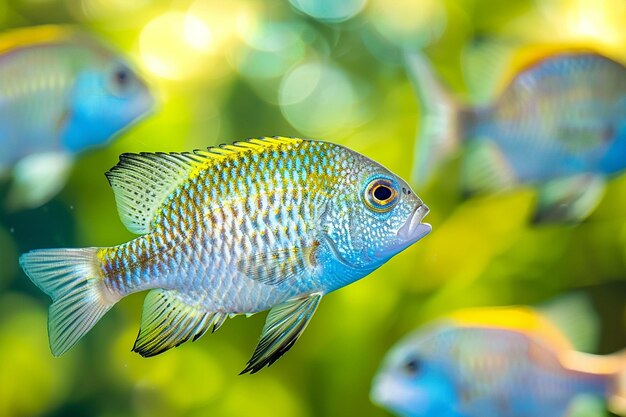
(267, 223)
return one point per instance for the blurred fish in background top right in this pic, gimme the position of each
(559, 126)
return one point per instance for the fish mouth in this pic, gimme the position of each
(388, 392)
(414, 229)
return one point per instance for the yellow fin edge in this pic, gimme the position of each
(232, 151)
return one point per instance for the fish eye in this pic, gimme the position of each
(381, 195)
(412, 366)
(122, 76)
(121, 79)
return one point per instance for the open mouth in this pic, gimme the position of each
(414, 229)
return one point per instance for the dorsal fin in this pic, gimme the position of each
(38, 35)
(142, 182)
(491, 66)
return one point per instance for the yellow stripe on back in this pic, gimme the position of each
(520, 319)
(234, 151)
(38, 35)
(528, 56)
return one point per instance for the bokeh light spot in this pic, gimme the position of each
(197, 34)
(229, 20)
(320, 99)
(329, 10)
(300, 83)
(175, 45)
(271, 50)
(409, 23)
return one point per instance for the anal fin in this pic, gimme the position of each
(168, 321)
(283, 326)
(569, 199)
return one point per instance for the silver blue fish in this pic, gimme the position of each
(494, 362)
(559, 125)
(271, 223)
(61, 92)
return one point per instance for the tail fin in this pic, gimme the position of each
(440, 121)
(617, 401)
(73, 280)
(575, 316)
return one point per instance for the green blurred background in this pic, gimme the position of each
(230, 69)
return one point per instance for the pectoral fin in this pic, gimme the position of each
(283, 326)
(273, 268)
(169, 320)
(569, 199)
(37, 178)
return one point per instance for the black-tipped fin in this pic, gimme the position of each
(141, 182)
(169, 320)
(283, 326)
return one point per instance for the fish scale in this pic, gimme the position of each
(271, 223)
(274, 220)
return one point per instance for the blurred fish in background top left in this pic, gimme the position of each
(61, 92)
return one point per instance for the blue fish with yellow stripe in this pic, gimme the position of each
(61, 92)
(559, 125)
(495, 362)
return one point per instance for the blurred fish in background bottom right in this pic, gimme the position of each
(504, 362)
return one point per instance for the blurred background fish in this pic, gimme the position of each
(498, 362)
(61, 92)
(559, 125)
